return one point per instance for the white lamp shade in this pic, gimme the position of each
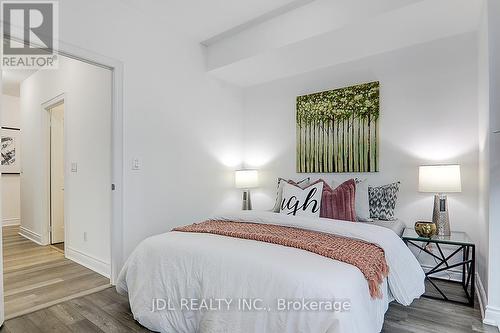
(439, 178)
(246, 178)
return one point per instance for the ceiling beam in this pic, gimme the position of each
(417, 23)
(256, 21)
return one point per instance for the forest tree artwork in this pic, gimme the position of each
(337, 130)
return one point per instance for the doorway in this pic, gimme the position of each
(72, 284)
(56, 123)
(61, 248)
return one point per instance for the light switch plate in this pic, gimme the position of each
(74, 167)
(136, 164)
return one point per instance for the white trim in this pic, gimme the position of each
(46, 107)
(32, 236)
(117, 166)
(11, 221)
(456, 275)
(90, 262)
(492, 316)
(116, 67)
(481, 295)
(451, 274)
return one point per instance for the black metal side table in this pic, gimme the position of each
(465, 247)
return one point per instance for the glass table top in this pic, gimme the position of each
(456, 237)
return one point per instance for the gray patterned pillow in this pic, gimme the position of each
(383, 201)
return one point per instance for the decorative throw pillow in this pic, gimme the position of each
(339, 203)
(301, 202)
(383, 201)
(362, 203)
(279, 191)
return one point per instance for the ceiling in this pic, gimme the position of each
(326, 33)
(200, 19)
(247, 40)
(204, 19)
(12, 78)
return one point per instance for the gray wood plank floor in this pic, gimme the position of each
(107, 311)
(38, 276)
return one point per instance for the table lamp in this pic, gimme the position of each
(440, 179)
(246, 179)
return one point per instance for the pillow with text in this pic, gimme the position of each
(299, 201)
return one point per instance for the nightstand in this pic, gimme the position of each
(466, 251)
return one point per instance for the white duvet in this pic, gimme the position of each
(192, 282)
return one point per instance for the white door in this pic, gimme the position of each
(57, 174)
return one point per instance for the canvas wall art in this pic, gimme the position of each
(10, 155)
(337, 130)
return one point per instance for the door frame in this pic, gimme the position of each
(47, 226)
(116, 68)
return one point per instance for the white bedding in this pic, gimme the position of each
(397, 225)
(182, 267)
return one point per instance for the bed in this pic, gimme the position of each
(179, 266)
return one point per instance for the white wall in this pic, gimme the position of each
(484, 150)
(428, 115)
(11, 206)
(493, 308)
(11, 116)
(87, 91)
(184, 126)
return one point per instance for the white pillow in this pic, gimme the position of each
(279, 191)
(361, 201)
(301, 202)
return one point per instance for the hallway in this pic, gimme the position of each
(36, 276)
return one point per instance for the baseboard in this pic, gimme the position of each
(427, 263)
(481, 295)
(11, 222)
(90, 262)
(456, 275)
(32, 236)
(452, 274)
(492, 316)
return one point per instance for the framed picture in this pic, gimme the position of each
(11, 155)
(337, 130)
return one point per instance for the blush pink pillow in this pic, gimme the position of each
(338, 203)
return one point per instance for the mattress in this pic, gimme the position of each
(397, 225)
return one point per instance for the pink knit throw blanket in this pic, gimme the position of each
(369, 258)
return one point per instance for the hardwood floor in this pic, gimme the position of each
(38, 276)
(107, 311)
(59, 246)
(426, 315)
(104, 311)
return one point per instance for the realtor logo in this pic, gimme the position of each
(30, 34)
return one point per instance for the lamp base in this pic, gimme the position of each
(440, 215)
(247, 203)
